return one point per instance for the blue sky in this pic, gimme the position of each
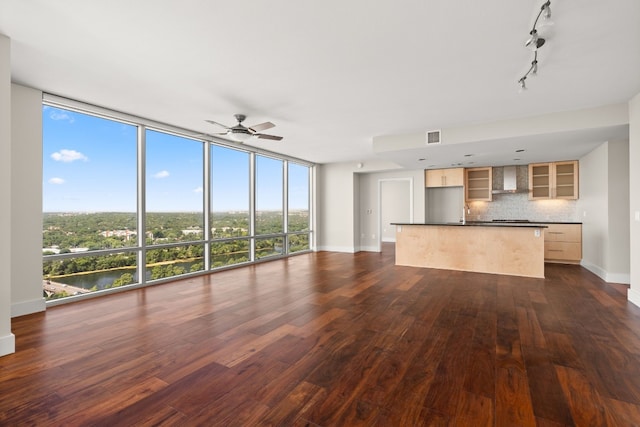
(89, 165)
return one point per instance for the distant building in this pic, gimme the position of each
(127, 234)
(192, 231)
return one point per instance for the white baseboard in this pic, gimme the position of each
(347, 249)
(389, 240)
(598, 271)
(23, 308)
(369, 248)
(7, 344)
(625, 279)
(605, 275)
(633, 296)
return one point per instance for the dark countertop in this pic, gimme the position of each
(554, 222)
(479, 224)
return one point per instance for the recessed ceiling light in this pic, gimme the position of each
(519, 151)
(421, 160)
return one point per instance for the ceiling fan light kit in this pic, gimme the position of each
(535, 42)
(241, 133)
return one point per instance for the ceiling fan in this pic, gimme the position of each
(242, 133)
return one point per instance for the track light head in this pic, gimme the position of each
(533, 40)
(546, 10)
(523, 85)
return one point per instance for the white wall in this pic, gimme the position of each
(339, 205)
(395, 206)
(369, 201)
(592, 118)
(26, 206)
(619, 259)
(634, 198)
(604, 198)
(335, 210)
(594, 201)
(7, 339)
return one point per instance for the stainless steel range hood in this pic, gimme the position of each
(509, 182)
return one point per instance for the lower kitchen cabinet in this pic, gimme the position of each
(563, 243)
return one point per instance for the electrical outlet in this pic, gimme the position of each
(536, 232)
(637, 215)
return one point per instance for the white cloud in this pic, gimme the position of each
(68, 156)
(197, 190)
(161, 174)
(60, 115)
(56, 180)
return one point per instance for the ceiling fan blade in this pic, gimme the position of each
(261, 126)
(216, 123)
(265, 136)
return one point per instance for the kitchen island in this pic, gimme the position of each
(505, 248)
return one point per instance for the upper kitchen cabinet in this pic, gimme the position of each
(478, 184)
(557, 180)
(453, 177)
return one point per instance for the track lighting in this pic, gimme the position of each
(535, 42)
(534, 66)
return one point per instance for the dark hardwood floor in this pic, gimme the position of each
(331, 339)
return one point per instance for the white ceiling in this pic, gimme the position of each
(330, 74)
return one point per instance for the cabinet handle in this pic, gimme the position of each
(555, 250)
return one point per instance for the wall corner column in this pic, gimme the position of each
(7, 339)
(634, 198)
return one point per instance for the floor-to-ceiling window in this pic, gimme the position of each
(128, 203)
(89, 203)
(269, 228)
(174, 207)
(230, 206)
(298, 207)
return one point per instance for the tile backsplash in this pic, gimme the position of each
(518, 205)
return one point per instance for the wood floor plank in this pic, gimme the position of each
(324, 339)
(587, 406)
(547, 396)
(475, 410)
(513, 401)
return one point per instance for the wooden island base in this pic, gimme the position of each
(510, 250)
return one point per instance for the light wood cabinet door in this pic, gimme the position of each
(557, 180)
(540, 181)
(453, 177)
(478, 184)
(563, 243)
(565, 180)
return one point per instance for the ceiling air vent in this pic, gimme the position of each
(433, 137)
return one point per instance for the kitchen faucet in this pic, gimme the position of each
(465, 210)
